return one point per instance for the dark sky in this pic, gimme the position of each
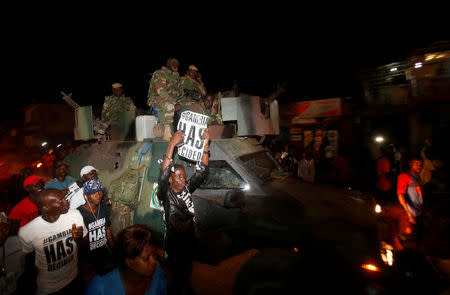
(85, 54)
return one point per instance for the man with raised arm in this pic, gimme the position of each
(174, 192)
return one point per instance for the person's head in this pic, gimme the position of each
(428, 141)
(208, 100)
(61, 169)
(192, 72)
(172, 64)
(177, 178)
(34, 184)
(135, 250)
(51, 202)
(88, 172)
(117, 89)
(415, 164)
(93, 191)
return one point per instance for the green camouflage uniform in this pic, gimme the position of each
(211, 114)
(193, 90)
(114, 105)
(164, 92)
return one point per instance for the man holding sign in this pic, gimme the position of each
(174, 192)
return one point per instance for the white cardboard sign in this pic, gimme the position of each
(75, 196)
(192, 124)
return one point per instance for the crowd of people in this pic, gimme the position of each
(403, 183)
(72, 251)
(407, 186)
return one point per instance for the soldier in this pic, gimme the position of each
(193, 86)
(116, 103)
(165, 91)
(208, 109)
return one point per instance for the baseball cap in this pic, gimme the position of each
(86, 170)
(92, 186)
(193, 68)
(32, 179)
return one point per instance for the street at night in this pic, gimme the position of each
(242, 156)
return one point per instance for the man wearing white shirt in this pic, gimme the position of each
(54, 238)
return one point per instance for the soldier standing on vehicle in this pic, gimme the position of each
(208, 109)
(115, 104)
(165, 91)
(193, 86)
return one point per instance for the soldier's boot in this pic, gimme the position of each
(167, 133)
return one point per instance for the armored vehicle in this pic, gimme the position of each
(247, 201)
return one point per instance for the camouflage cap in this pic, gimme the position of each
(117, 85)
(172, 61)
(193, 68)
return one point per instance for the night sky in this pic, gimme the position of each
(85, 54)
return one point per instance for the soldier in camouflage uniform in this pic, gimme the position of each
(207, 109)
(193, 87)
(115, 104)
(165, 91)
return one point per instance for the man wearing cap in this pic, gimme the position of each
(116, 103)
(25, 211)
(88, 173)
(165, 91)
(96, 219)
(61, 181)
(193, 86)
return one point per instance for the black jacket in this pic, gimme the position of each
(178, 207)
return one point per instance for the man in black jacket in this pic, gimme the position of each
(174, 192)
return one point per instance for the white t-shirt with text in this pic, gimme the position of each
(56, 250)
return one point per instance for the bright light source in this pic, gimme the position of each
(370, 267)
(295, 249)
(44, 143)
(59, 145)
(377, 209)
(246, 187)
(387, 253)
(418, 65)
(379, 139)
(389, 258)
(393, 69)
(39, 165)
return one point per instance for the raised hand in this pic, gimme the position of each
(77, 232)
